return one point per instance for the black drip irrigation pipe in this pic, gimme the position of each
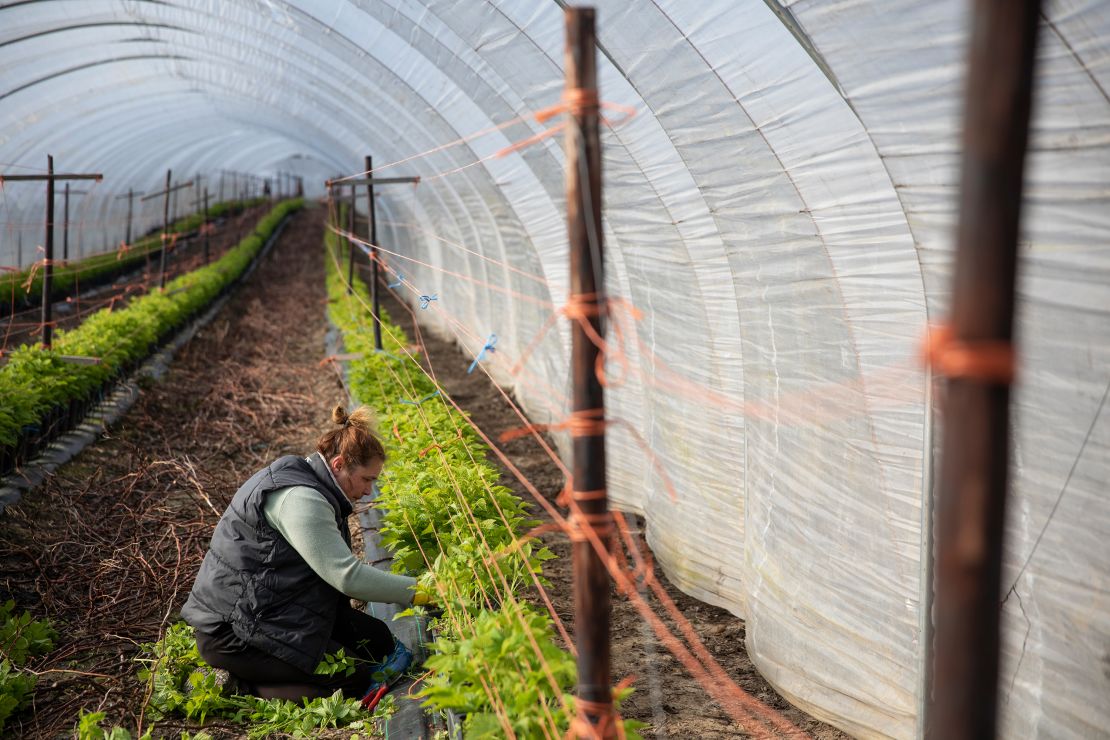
(65, 432)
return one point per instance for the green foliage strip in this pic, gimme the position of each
(26, 286)
(454, 515)
(36, 380)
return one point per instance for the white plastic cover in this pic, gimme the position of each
(780, 210)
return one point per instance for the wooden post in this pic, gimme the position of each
(372, 235)
(971, 502)
(65, 226)
(590, 507)
(165, 232)
(48, 258)
(130, 200)
(205, 226)
(372, 229)
(50, 178)
(166, 219)
(351, 244)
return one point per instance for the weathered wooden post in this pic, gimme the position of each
(589, 513)
(48, 259)
(130, 210)
(351, 244)
(205, 227)
(372, 236)
(971, 501)
(166, 219)
(65, 225)
(372, 230)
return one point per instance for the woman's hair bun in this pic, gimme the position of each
(356, 439)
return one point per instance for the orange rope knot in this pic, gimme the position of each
(587, 423)
(608, 724)
(579, 524)
(986, 361)
(598, 494)
(580, 100)
(576, 101)
(582, 306)
(568, 495)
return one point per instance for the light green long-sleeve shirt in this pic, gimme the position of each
(307, 521)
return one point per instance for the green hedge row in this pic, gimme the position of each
(37, 382)
(448, 521)
(66, 277)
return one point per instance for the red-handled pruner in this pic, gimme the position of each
(370, 701)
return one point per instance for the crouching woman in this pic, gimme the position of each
(272, 595)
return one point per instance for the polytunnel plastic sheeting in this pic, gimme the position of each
(780, 212)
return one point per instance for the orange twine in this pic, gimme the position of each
(577, 101)
(582, 306)
(585, 423)
(609, 721)
(987, 361)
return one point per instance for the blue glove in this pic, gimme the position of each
(391, 668)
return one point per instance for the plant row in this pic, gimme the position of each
(181, 684)
(21, 638)
(41, 387)
(447, 521)
(25, 288)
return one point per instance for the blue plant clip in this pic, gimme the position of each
(481, 355)
(426, 299)
(400, 281)
(388, 354)
(422, 400)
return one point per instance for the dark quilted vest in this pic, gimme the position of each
(254, 580)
